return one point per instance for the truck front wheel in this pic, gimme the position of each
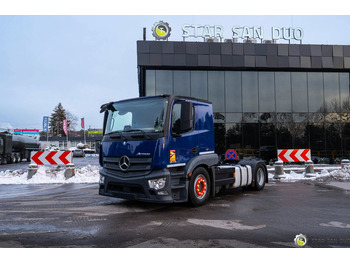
(199, 188)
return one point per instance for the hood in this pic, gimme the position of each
(143, 148)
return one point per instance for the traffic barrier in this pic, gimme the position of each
(59, 158)
(294, 155)
(279, 173)
(309, 169)
(32, 169)
(345, 163)
(70, 171)
(51, 157)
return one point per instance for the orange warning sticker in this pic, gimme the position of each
(172, 156)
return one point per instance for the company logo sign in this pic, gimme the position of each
(161, 30)
(300, 240)
(124, 163)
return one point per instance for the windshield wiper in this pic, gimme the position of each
(138, 130)
(118, 133)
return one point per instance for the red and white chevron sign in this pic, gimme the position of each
(294, 155)
(51, 157)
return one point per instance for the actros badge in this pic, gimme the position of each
(161, 30)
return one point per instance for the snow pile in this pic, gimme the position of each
(342, 174)
(338, 175)
(51, 175)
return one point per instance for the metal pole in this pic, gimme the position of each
(84, 134)
(67, 128)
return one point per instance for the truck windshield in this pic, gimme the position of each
(142, 115)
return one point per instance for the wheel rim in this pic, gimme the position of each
(260, 176)
(200, 187)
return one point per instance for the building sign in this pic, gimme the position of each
(204, 31)
(161, 30)
(31, 132)
(95, 132)
(244, 32)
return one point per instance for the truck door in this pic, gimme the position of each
(184, 138)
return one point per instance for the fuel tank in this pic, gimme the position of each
(20, 143)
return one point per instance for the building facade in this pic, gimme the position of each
(265, 96)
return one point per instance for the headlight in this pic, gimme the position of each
(102, 180)
(158, 183)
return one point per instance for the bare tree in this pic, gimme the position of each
(72, 119)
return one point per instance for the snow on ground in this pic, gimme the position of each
(51, 175)
(326, 173)
(90, 174)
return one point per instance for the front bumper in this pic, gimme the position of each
(135, 187)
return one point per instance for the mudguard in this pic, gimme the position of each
(207, 160)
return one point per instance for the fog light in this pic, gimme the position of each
(102, 180)
(158, 183)
(162, 193)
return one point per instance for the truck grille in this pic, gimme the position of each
(126, 189)
(136, 164)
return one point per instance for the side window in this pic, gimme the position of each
(178, 125)
(176, 119)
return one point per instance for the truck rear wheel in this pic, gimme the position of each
(260, 177)
(199, 188)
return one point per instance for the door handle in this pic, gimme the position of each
(194, 150)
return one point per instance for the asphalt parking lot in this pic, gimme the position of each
(74, 215)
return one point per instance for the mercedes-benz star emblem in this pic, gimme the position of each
(124, 163)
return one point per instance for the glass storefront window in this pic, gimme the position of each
(333, 136)
(284, 135)
(250, 139)
(256, 109)
(344, 91)
(182, 83)
(315, 92)
(317, 139)
(216, 90)
(250, 92)
(233, 91)
(299, 92)
(331, 92)
(300, 136)
(150, 83)
(266, 92)
(283, 92)
(199, 84)
(164, 82)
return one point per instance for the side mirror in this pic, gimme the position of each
(186, 123)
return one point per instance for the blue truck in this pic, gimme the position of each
(161, 149)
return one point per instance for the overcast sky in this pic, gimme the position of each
(85, 61)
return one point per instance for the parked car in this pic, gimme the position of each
(78, 153)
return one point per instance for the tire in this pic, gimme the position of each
(199, 188)
(12, 158)
(260, 177)
(18, 157)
